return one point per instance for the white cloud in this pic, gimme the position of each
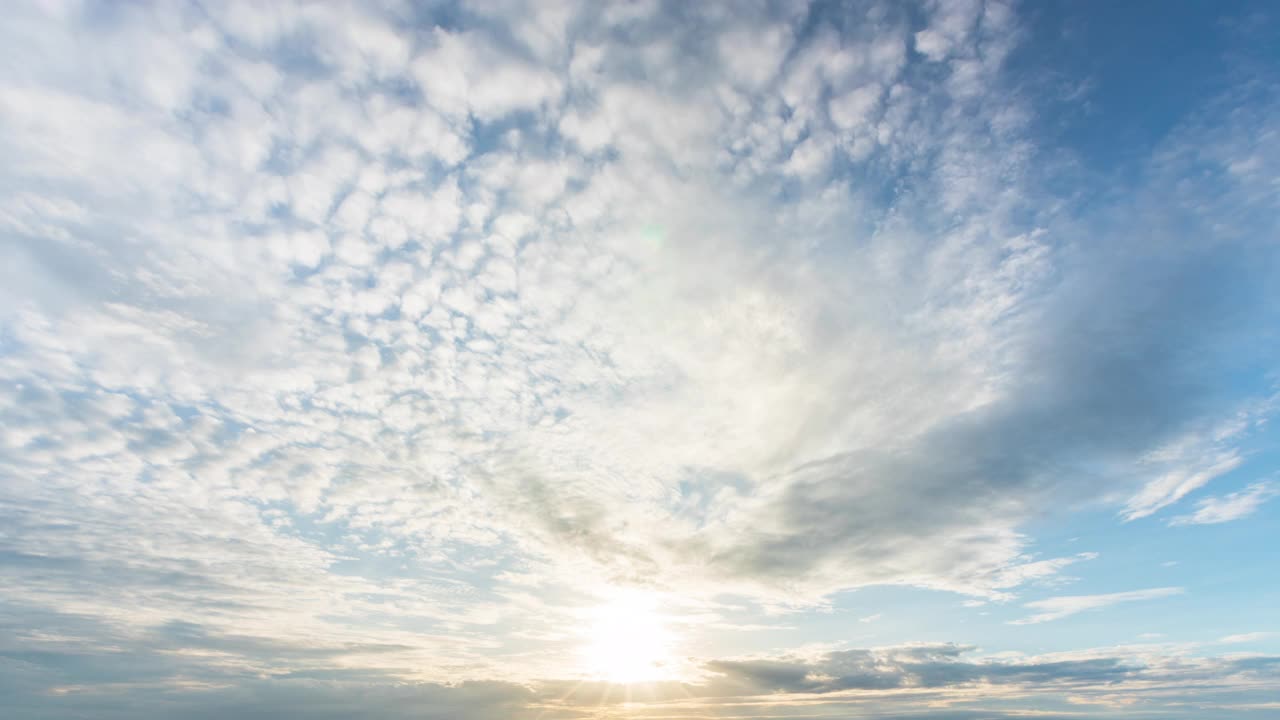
(360, 343)
(1229, 507)
(1245, 637)
(1055, 608)
(464, 73)
(1178, 483)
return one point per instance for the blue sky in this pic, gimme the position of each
(640, 360)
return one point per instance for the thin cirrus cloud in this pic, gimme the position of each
(1226, 508)
(353, 357)
(1056, 608)
(1245, 637)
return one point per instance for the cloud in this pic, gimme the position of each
(902, 680)
(1245, 637)
(1055, 608)
(919, 666)
(1175, 485)
(1229, 507)
(163, 678)
(355, 349)
(446, 297)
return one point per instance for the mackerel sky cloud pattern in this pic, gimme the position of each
(639, 359)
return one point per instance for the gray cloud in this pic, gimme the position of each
(910, 667)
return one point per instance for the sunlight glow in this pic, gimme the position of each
(628, 641)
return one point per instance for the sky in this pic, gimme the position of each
(654, 360)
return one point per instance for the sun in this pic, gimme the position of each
(628, 641)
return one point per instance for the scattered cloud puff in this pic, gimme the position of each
(347, 352)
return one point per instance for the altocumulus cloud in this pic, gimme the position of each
(351, 352)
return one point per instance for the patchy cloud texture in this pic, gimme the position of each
(351, 354)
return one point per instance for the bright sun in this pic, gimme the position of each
(628, 641)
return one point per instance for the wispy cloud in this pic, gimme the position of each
(1229, 507)
(1056, 608)
(1246, 637)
